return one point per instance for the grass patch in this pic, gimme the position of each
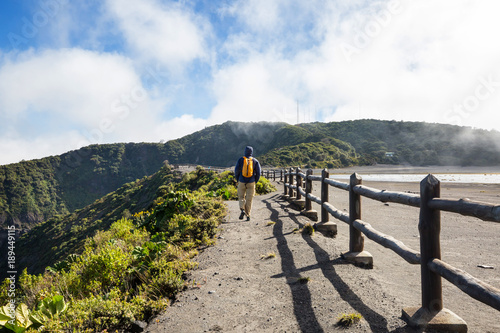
(270, 255)
(270, 223)
(308, 229)
(304, 280)
(347, 320)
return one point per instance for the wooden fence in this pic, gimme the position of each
(431, 314)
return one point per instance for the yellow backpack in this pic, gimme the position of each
(247, 167)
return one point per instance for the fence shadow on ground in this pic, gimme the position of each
(302, 302)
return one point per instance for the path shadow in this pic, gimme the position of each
(302, 302)
(376, 321)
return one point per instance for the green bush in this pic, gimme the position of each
(99, 312)
(158, 218)
(264, 186)
(49, 309)
(115, 280)
(347, 320)
(99, 269)
(19, 322)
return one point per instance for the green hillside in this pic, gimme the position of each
(34, 191)
(119, 260)
(221, 145)
(329, 153)
(61, 235)
(415, 143)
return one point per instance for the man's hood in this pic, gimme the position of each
(248, 151)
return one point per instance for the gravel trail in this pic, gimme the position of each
(264, 276)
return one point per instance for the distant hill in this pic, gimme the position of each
(221, 145)
(328, 153)
(414, 143)
(34, 191)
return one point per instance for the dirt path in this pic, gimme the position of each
(241, 287)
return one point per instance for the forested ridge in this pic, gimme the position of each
(82, 201)
(415, 143)
(34, 191)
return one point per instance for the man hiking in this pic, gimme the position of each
(247, 173)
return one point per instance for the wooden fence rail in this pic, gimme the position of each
(432, 315)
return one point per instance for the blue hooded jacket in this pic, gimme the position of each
(239, 166)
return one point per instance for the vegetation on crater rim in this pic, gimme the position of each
(129, 269)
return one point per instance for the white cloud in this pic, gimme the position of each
(179, 127)
(416, 67)
(75, 84)
(258, 15)
(15, 149)
(99, 96)
(163, 32)
(59, 100)
(254, 91)
(404, 60)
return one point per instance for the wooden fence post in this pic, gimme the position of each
(325, 216)
(285, 188)
(429, 226)
(281, 174)
(299, 202)
(356, 253)
(290, 179)
(356, 239)
(326, 227)
(308, 189)
(431, 315)
(309, 212)
(299, 183)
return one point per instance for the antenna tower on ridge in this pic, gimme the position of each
(298, 112)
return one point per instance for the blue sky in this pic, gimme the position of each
(73, 73)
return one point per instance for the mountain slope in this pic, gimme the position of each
(61, 235)
(329, 153)
(221, 145)
(34, 191)
(415, 143)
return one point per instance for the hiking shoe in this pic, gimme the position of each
(242, 215)
(248, 218)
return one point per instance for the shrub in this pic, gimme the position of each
(99, 269)
(96, 313)
(264, 186)
(308, 229)
(304, 280)
(158, 217)
(49, 309)
(228, 193)
(347, 320)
